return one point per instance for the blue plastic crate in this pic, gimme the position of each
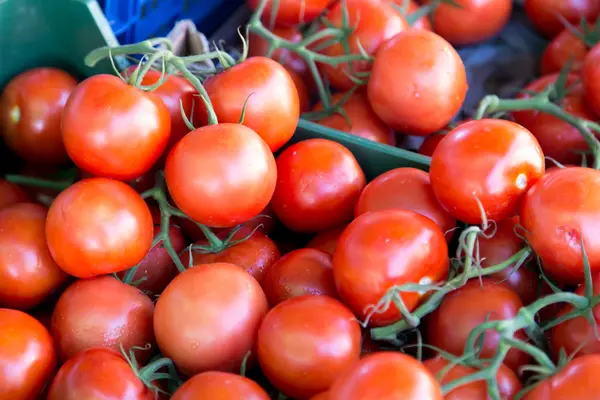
(136, 20)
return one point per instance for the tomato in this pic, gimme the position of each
(381, 249)
(291, 12)
(98, 373)
(98, 226)
(497, 162)
(31, 107)
(11, 193)
(300, 272)
(232, 306)
(305, 343)
(430, 144)
(405, 189)
(268, 92)
(28, 273)
(508, 382)
(590, 75)
(114, 130)
(326, 241)
(374, 22)
(556, 223)
(318, 184)
(423, 22)
(564, 48)
(469, 306)
(259, 47)
(221, 386)
(386, 375)
(432, 89)
(363, 120)
(302, 89)
(545, 13)
(321, 396)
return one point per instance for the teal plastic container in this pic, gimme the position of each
(59, 33)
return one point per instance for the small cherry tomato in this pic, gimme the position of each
(591, 76)
(259, 47)
(98, 226)
(221, 386)
(432, 89)
(545, 14)
(564, 48)
(291, 12)
(299, 353)
(326, 241)
(31, 107)
(11, 193)
(497, 162)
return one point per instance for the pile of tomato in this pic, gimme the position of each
(161, 237)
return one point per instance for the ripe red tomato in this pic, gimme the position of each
(405, 189)
(382, 249)
(98, 373)
(11, 193)
(221, 386)
(305, 343)
(267, 90)
(28, 273)
(299, 272)
(558, 213)
(31, 107)
(102, 312)
(258, 47)
(98, 226)
(363, 120)
(571, 382)
(326, 241)
(545, 13)
(114, 130)
(508, 382)
(590, 75)
(221, 175)
(430, 144)
(432, 89)
(232, 306)
(302, 89)
(318, 184)
(386, 375)
(469, 306)
(27, 357)
(291, 12)
(564, 48)
(497, 162)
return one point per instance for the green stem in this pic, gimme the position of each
(38, 182)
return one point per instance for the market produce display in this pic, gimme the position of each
(165, 235)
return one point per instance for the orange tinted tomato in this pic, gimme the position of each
(321, 396)
(591, 78)
(291, 12)
(326, 241)
(220, 386)
(564, 48)
(545, 13)
(302, 89)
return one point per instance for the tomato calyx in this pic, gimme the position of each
(150, 374)
(588, 34)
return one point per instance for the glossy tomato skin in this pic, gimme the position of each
(221, 386)
(31, 107)
(590, 75)
(405, 189)
(426, 99)
(28, 273)
(386, 375)
(114, 130)
(502, 160)
(469, 306)
(208, 317)
(102, 312)
(564, 48)
(544, 13)
(11, 193)
(299, 353)
(384, 248)
(272, 106)
(326, 241)
(291, 12)
(318, 184)
(98, 373)
(27, 356)
(363, 120)
(221, 175)
(98, 226)
(556, 224)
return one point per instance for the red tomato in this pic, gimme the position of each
(405, 189)
(98, 226)
(232, 306)
(102, 312)
(31, 107)
(114, 130)
(591, 75)
(430, 144)
(318, 184)
(321, 396)
(28, 360)
(267, 90)
(258, 47)
(545, 13)
(221, 175)
(374, 22)
(11, 193)
(98, 373)
(300, 272)
(28, 273)
(564, 48)
(326, 241)
(432, 89)
(363, 120)
(469, 306)
(386, 375)
(291, 12)
(508, 382)
(558, 213)
(382, 249)
(497, 162)
(302, 89)
(305, 343)
(221, 386)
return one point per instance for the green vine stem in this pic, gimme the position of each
(38, 182)
(150, 374)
